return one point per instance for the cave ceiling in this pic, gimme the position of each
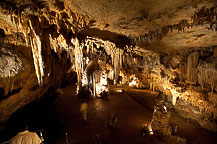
(154, 25)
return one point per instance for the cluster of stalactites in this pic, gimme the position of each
(116, 54)
(20, 23)
(201, 17)
(201, 72)
(34, 40)
(58, 44)
(46, 17)
(100, 83)
(91, 46)
(207, 74)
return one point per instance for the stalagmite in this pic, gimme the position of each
(160, 120)
(116, 65)
(84, 78)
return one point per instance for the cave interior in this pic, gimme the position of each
(157, 53)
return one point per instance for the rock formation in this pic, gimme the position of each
(168, 46)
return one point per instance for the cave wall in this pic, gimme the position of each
(19, 83)
(187, 79)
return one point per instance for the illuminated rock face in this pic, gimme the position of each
(168, 46)
(188, 80)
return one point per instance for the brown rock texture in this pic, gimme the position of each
(167, 46)
(160, 120)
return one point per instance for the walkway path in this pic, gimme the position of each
(130, 114)
(132, 108)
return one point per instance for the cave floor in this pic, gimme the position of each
(186, 129)
(132, 108)
(129, 113)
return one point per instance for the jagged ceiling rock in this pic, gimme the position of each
(193, 37)
(139, 17)
(130, 18)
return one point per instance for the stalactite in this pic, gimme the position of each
(115, 53)
(78, 61)
(192, 63)
(121, 58)
(36, 51)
